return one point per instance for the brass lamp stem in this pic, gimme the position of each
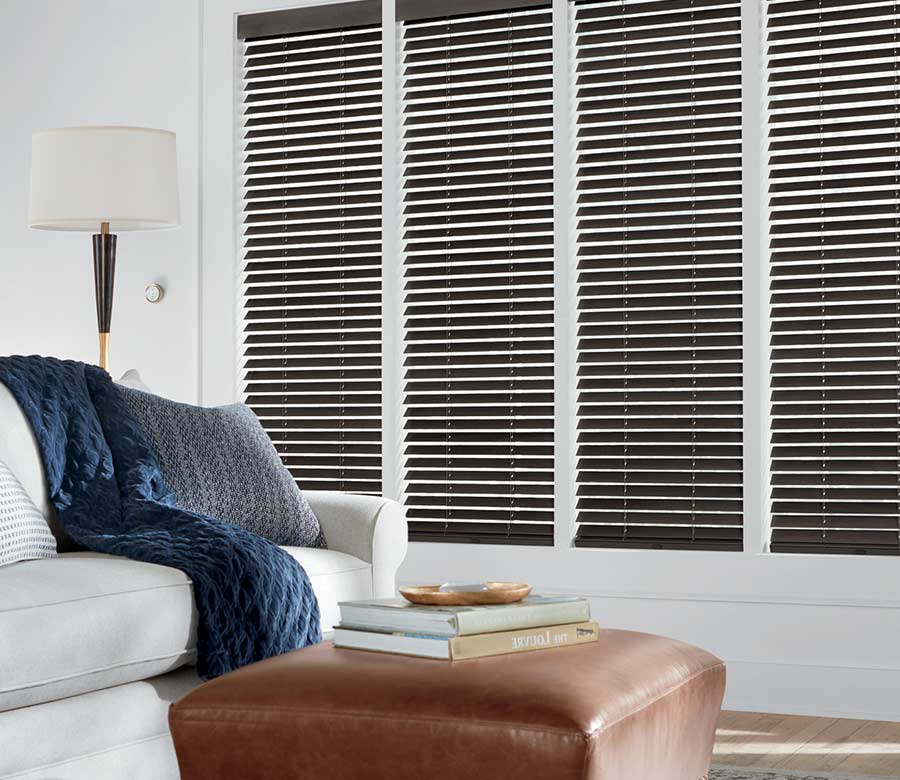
(104, 351)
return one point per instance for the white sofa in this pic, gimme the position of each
(93, 648)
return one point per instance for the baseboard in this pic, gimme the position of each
(825, 691)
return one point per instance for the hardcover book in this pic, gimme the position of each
(388, 615)
(460, 648)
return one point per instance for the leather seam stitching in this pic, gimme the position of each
(183, 714)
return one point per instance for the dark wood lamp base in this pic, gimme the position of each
(104, 279)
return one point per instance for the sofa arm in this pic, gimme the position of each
(370, 528)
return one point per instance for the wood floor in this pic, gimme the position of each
(801, 744)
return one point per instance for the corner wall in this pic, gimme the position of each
(101, 62)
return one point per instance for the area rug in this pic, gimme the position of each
(733, 773)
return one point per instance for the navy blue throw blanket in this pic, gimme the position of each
(253, 599)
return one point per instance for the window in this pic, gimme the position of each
(658, 208)
(616, 130)
(477, 132)
(834, 184)
(312, 240)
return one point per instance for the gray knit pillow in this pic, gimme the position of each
(220, 462)
(24, 533)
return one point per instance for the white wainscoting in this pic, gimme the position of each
(801, 635)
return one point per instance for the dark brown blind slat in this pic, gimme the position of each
(658, 162)
(263, 28)
(470, 14)
(478, 273)
(312, 242)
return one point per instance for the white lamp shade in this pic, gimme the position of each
(84, 176)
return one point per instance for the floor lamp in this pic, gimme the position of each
(103, 180)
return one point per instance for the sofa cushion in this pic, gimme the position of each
(19, 450)
(24, 534)
(132, 378)
(85, 621)
(220, 462)
(116, 733)
(335, 577)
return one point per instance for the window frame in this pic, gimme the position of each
(219, 296)
(474, 507)
(606, 515)
(271, 237)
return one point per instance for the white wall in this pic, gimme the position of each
(101, 62)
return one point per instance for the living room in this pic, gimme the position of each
(614, 303)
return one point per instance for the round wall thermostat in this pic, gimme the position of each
(154, 293)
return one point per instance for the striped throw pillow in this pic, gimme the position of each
(24, 534)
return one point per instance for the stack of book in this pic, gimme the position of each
(456, 633)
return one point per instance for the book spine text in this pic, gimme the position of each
(501, 643)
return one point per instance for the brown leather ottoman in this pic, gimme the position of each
(629, 707)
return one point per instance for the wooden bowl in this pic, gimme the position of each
(497, 593)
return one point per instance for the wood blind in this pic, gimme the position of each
(312, 251)
(658, 164)
(478, 276)
(308, 18)
(834, 187)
